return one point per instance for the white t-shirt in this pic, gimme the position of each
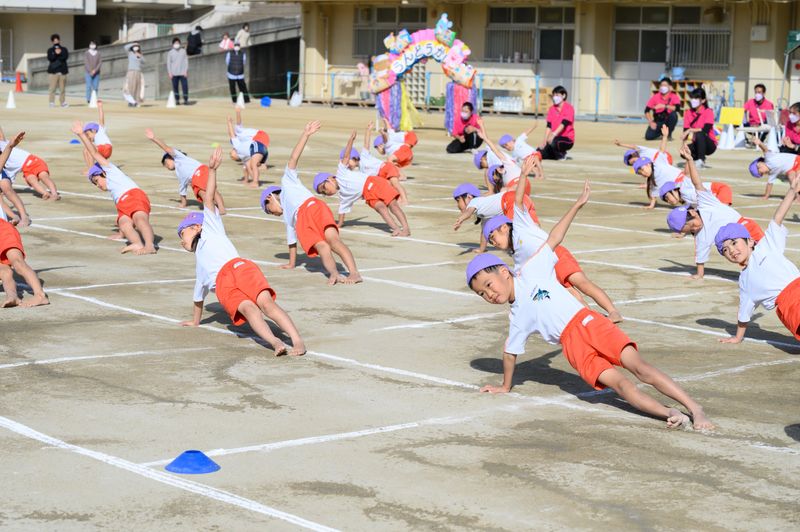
(101, 137)
(487, 206)
(528, 237)
(714, 214)
(492, 159)
(117, 182)
(541, 304)
(512, 171)
(657, 156)
(213, 250)
(16, 160)
(778, 163)
(664, 173)
(369, 164)
(394, 139)
(293, 195)
(688, 192)
(351, 187)
(522, 150)
(768, 272)
(185, 167)
(3, 214)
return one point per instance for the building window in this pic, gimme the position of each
(372, 24)
(526, 34)
(675, 36)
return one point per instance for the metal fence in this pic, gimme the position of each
(700, 48)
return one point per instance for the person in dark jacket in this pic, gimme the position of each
(57, 70)
(236, 60)
(194, 43)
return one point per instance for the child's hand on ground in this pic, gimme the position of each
(287, 266)
(312, 127)
(457, 225)
(77, 127)
(216, 159)
(149, 133)
(189, 324)
(493, 389)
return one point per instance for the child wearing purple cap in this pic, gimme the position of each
(352, 185)
(773, 164)
(633, 152)
(241, 287)
(308, 220)
(371, 165)
(12, 253)
(503, 173)
(7, 172)
(520, 150)
(188, 171)
(396, 145)
(248, 143)
(35, 172)
(768, 278)
(133, 205)
(97, 133)
(590, 342)
(471, 202)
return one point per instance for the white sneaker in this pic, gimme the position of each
(699, 163)
(65, 104)
(52, 104)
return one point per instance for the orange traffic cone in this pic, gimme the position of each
(19, 83)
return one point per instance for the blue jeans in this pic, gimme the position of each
(92, 84)
(184, 84)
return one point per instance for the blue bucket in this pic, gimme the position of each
(678, 73)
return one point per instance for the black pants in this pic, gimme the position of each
(232, 83)
(670, 121)
(786, 149)
(557, 149)
(184, 84)
(702, 146)
(471, 141)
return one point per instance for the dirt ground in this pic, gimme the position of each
(380, 426)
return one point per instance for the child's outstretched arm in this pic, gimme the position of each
(238, 116)
(9, 147)
(231, 132)
(662, 146)
(528, 131)
(559, 231)
(158, 142)
(492, 146)
(2, 135)
(527, 168)
(310, 129)
(77, 128)
(466, 215)
(211, 187)
(10, 214)
(763, 147)
(348, 148)
(783, 208)
(686, 154)
(368, 135)
(623, 145)
(101, 116)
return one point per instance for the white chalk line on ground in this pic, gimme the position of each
(161, 477)
(654, 270)
(129, 283)
(62, 360)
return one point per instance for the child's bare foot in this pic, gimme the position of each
(395, 232)
(132, 248)
(298, 350)
(147, 250)
(701, 422)
(24, 221)
(253, 184)
(115, 236)
(35, 301)
(615, 316)
(348, 279)
(46, 196)
(222, 210)
(280, 350)
(14, 220)
(354, 278)
(676, 419)
(765, 196)
(11, 301)
(333, 279)
(403, 232)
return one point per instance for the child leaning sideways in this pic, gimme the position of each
(241, 288)
(34, 170)
(97, 133)
(590, 342)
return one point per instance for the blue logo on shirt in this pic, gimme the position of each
(541, 295)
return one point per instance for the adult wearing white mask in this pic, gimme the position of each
(559, 135)
(465, 130)
(698, 127)
(236, 60)
(661, 110)
(178, 70)
(91, 63)
(791, 138)
(133, 91)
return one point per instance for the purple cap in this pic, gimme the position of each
(378, 141)
(729, 232)
(91, 126)
(669, 186)
(193, 218)
(676, 219)
(476, 159)
(754, 167)
(466, 188)
(353, 154)
(640, 162)
(493, 223)
(319, 179)
(491, 170)
(96, 169)
(505, 139)
(481, 262)
(265, 194)
(627, 157)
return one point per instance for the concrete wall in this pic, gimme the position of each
(32, 32)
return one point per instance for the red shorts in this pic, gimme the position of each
(262, 137)
(237, 281)
(756, 233)
(133, 201)
(313, 218)
(796, 165)
(403, 156)
(566, 266)
(388, 171)
(787, 307)
(105, 150)
(592, 344)
(723, 193)
(33, 166)
(535, 155)
(377, 189)
(9, 239)
(507, 203)
(411, 139)
(200, 181)
(512, 185)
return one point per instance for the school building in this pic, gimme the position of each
(605, 53)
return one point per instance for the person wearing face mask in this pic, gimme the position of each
(134, 80)
(661, 109)
(57, 70)
(756, 107)
(465, 130)
(236, 59)
(178, 70)
(91, 62)
(698, 127)
(791, 137)
(559, 136)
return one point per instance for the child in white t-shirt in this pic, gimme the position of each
(774, 164)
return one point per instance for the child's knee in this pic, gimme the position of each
(323, 246)
(248, 309)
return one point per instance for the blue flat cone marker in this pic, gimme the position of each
(74, 141)
(192, 463)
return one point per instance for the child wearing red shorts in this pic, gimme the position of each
(12, 253)
(97, 133)
(308, 220)
(352, 185)
(371, 165)
(35, 172)
(189, 172)
(768, 278)
(241, 288)
(396, 145)
(590, 342)
(133, 205)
